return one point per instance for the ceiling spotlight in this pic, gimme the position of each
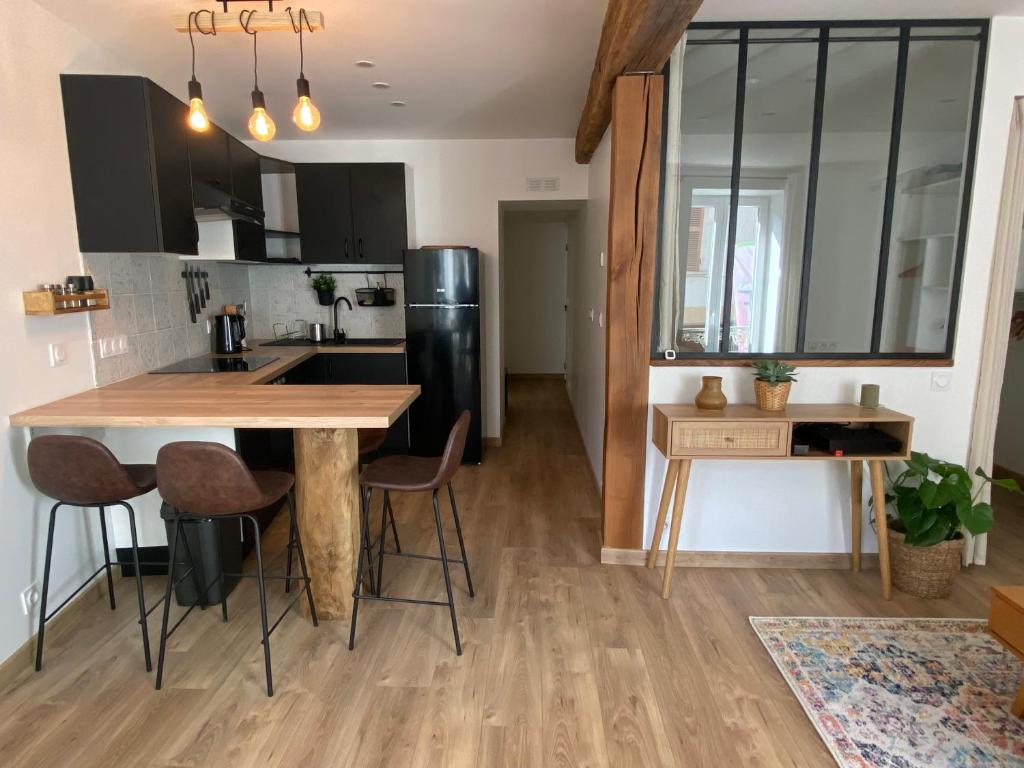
(365, 63)
(769, 114)
(753, 80)
(381, 85)
(949, 100)
(397, 103)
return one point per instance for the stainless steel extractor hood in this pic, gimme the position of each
(213, 204)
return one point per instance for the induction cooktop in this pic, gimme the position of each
(237, 364)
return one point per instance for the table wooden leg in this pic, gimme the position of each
(677, 521)
(881, 526)
(671, 473)
(327, 495)
(856, 511)
(1018, 703)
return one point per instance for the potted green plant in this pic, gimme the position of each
(772, 381)
(324, 286)
(931, 502)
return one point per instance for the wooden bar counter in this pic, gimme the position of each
(323, 417)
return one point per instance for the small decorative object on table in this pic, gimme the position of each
(711, 397)
(869, 394)
(933, 500)
(324, 286)
(772, 382)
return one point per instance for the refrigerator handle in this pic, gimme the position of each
(346, 247)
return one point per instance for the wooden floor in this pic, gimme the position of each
(566, 662)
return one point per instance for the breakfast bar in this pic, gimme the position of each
(324, 419)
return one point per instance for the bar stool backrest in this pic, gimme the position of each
(78, 470)
(206, 479)
(451, 459)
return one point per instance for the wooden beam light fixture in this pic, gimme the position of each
(265, 21)
(637, 36)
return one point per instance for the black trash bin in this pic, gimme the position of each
(212, 552)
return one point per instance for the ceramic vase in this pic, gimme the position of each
(711, 397)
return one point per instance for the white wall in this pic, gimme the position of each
(453, 189)
(39, 244)
(804, 506)
(588, 293)
(534, 251)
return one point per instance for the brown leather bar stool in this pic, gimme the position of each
(202, 481)
(414, 474)
(81, 472)
(370, 441)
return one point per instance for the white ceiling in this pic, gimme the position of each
(465, 68)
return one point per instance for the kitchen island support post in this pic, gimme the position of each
(327, 494)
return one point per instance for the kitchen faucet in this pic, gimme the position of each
(339, 333)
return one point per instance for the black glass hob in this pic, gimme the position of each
(229, 364)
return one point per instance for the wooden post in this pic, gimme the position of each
(632, 250)
(877, 473)
(327, 495)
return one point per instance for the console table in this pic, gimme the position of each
(685, 433)
(1006, 624)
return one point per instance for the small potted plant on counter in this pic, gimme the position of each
(324, 286)
(931, 502)
(772, 382)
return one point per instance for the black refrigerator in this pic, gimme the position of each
(442, 339)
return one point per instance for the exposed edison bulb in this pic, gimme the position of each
(261, 125)
(305, 115)
(198, 120)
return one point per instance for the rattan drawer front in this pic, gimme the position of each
(730, 438)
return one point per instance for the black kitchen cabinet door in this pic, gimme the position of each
(250, 241)
(246, 178)
(378, 212)
(128, 153)
(325, 213)
(210, 158)
(372, 368)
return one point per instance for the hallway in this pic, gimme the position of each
(566, 662)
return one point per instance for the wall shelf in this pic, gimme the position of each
(48, 303)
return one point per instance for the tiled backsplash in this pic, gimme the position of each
(148, 304)
(281, 293)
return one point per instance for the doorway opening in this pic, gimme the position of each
(539, 242)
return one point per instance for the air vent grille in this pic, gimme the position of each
(542, 184)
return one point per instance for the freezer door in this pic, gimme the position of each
(442, 276)
(443, 355)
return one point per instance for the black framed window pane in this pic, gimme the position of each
(856, 126)
(778, 119)
(695, 221)
(928, 194)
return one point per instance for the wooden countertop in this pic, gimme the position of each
(231, 399)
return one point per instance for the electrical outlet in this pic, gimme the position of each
(30, 598)
(58, 355)
(942, 381)
(590, 314)
(600, 319)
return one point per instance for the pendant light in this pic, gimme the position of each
(198, 120)
(261, 125)
(305, 115)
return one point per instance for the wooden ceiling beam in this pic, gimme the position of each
(638, 36)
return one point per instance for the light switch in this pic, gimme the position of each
(58, 355)
(600, 319)
(590, 314)
(602, 258)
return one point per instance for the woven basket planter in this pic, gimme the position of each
(772, 398)
(925, 571)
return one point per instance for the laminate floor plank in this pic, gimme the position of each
(565, 662)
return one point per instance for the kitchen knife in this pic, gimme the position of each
(188, 295)
(206, 285)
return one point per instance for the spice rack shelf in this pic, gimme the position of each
(47, 303)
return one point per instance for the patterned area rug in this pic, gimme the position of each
(902, 693)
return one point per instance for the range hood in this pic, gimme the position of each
(214, 204)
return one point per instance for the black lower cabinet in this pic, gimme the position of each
(356, 368)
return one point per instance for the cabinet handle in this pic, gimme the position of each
(360, 247)
(346, 247)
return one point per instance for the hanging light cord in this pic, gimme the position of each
(303, 19)
(245, 19)
(193, 20)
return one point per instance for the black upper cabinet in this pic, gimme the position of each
(210, 158)
(325, 213)
(128, 149)
(378, 212)
(246, 178)
(351, 213)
